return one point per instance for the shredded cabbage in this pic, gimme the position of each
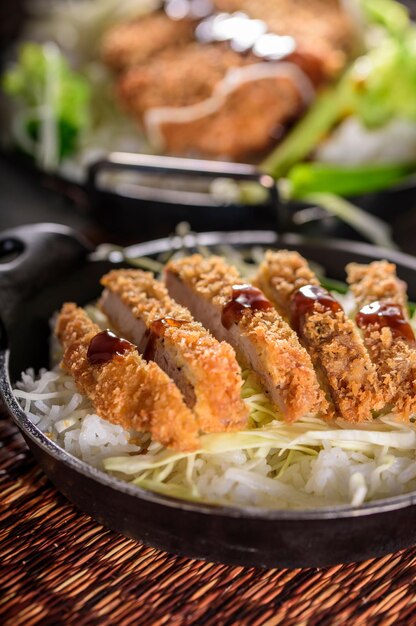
(380, 85)
(273, 459)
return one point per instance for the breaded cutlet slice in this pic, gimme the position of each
(344, 368)
(261, 338)
(134, 42)
(280, 275)
(193, 97)
(206, 98)
(392, 349)
(176, 80)
(205, 370)
(321, 26)
(227, 123)
(376, 281)
(125, 390)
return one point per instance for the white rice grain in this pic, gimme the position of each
(332, 465)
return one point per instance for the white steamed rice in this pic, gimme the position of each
(303, 465)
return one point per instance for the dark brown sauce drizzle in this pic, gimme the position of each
(104, 346)
(243, 298)
(157, 329)
(303, 304)
(385, 314)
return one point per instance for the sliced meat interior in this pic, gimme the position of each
(123, 388)
(337, 351)
(382, 315)
(235, 312)
(205, 370)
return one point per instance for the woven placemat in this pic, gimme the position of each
(58, 566)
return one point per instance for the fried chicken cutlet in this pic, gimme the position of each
(131, 43)
(344, 368)
(205, 370)
(382, 315)
(207, 98)
(183, 79)
(123, 388)
(215, 294)
(227, 123)
(181, 86)
(322, 26)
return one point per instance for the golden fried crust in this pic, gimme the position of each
(336, 348)
(184, 78)
(236, 130)
(231, 126)
(280, 356)
(131, 43)
(164, 67)
(394, 356)
(280, 275)
(376, 281)
(210, 277)
(284, 358)
(321, 26)
(147, 297)
(333, 342)
(208, 365)
(126, 390)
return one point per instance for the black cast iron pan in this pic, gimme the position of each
(162, 191)
(40, 267)
(151, 202)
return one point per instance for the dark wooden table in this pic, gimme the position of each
(57, 566)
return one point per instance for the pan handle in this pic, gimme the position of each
(32, 256)
(192, 168)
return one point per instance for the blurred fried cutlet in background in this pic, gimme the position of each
(212, 96)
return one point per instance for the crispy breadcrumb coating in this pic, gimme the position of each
(321, 26)
(130, 43)
(280, 275)
(376, 281)
(164, 73)
(190, 77)
(334, 344)
(262, 339)
(180, 79)
(236, 130)
(205, 370)
(126, 390)
(393, 355)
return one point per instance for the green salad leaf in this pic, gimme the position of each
(377, 87)
(52, 103)
(388, 13)
(315, 177)
(383, 83)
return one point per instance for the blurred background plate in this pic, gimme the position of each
(139, 208)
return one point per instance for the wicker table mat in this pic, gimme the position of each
(57, 566)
